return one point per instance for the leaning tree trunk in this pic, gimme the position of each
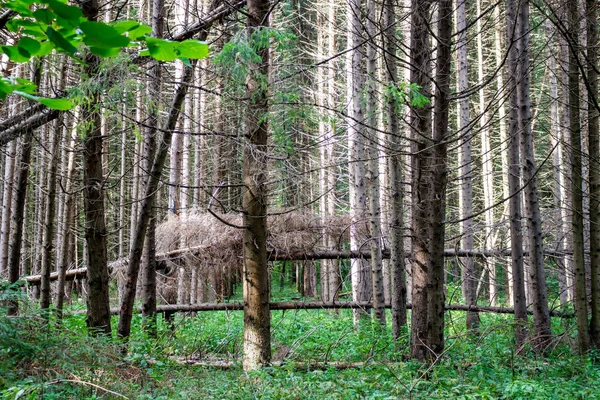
(153, 86)
(257, 314)
(145, 210)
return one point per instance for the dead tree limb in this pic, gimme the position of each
(317, 305)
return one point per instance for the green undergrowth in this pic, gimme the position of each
(41, 360)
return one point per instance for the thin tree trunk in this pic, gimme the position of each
(465, 198)
(372, 175)
(498, 51)
(594, 171)
(581, 306)
(392, 110)
(514, 181)
(9, 171)
(69, 202)
(487, 167)
(360, 274)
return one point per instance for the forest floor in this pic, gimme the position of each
(319, 355)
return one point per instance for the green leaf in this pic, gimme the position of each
(59, 41)
(31, 45)
(44, 15)
(104, 52)
(139, 32)
(45, 48)
(70, 13)
(56, 104)
(192, 49)
(98, 34)
(16, 54)
(20, 6)
(162, 50)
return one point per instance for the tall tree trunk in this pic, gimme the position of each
(520, 305)
(420, 121)
(257, 314)
(435, 281)
(541, 314)
(372, 175)
(499, 58)
(594, 177)
(50, 217)
(465, 198)
(360, 273)
(68, 217)
(581, 306)
(9, 171)
(395, 176)
(18, 203)
(429, 180)
(487, 167)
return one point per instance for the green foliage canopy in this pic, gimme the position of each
(47, 25)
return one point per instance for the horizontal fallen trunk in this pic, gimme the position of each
(275, 255)
(28, 120)
(317, 305)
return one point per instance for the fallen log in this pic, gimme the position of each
(318, 305)
(275, 255)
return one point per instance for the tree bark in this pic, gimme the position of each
(581, 302)
(594, 171)
(465, 199)
(392, 110)
(372, 175)
(513, 35)
(257, 314)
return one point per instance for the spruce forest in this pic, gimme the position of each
(299, 199)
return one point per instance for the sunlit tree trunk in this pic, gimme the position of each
(502, 118)
(465, 198)
(372, 170)
(557, 159)
(487, 166)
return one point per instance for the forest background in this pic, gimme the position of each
(449, 149)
